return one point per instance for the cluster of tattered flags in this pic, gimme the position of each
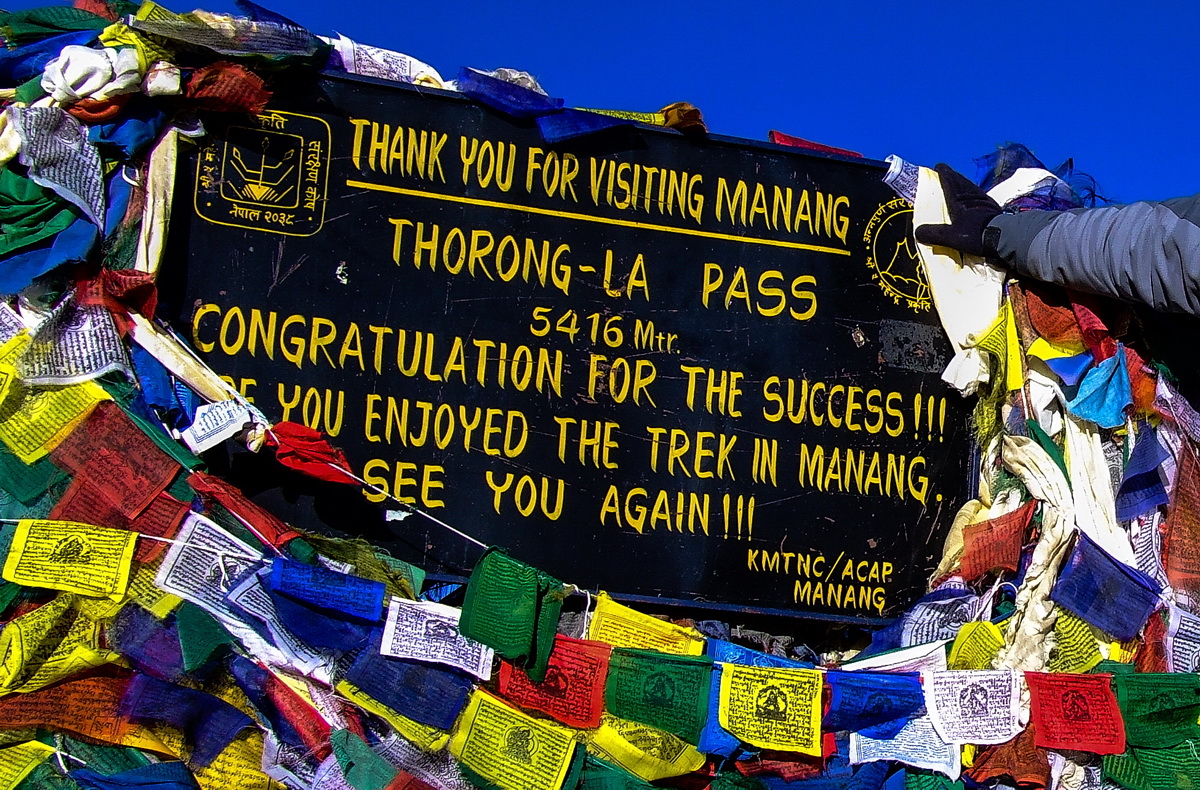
(161, 630)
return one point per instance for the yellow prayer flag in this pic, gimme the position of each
(772, 708)
(1044, 349)
(17, 761)
(976, 646)
(1075, 648)
(238, 767)
(148, 595)
(149, 51)
(430, 739)
(648, 753)
(621, 626)
(510, 749)
(78, 558)
(34, 420)
(1000, 340)
(52, 642)
(648, 118)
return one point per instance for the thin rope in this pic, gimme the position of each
(386, 495)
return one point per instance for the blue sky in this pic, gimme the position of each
(1110, 84)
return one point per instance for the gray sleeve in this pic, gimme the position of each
(1143, 252)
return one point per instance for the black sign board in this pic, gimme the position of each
(699, 369)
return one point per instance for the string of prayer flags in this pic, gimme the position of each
(773, 708)
(573, 689)
(667, 692)
(1110, 595)
(426, 694)
(511, 749)
(877, 704)
(328, 589)
(996, 543)
(980, 707)
(274, 703)
(85, 503)
(75, 558)
(713, 738)
(262, 523)
(512, 608)
(426, 631)
(1159, 709)
(621, 626)
(1077, 712)
(647, 753)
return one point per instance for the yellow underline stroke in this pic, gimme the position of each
(587, 218)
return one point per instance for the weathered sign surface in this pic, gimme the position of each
(696, 368)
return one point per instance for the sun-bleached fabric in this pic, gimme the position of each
(1095, 509)
(1025, 645)
(86, 73)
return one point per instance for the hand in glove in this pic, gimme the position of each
(970, 212)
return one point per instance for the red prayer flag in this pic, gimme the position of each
(779, 138)
(1075, 712)
(227, 87)
(1021, 760)
(268, 527)
(305, 720)
(573, 690)
(1183, 523)
(305, 450)
(84, 503)
(995, 543)
(122, 463)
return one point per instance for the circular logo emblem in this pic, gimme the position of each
(892, 254)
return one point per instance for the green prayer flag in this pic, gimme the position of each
(29, 213)
(1046, 443)
(663, 691)
(27, 482)
(513, 608)
(34, 24)
(600, 775)
(201, 637)
(919, 780)
(103, 758)
(1155, 769)
(411, 573)
(1159, 709)
(363, 768)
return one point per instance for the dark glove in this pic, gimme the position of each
(970, 212)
